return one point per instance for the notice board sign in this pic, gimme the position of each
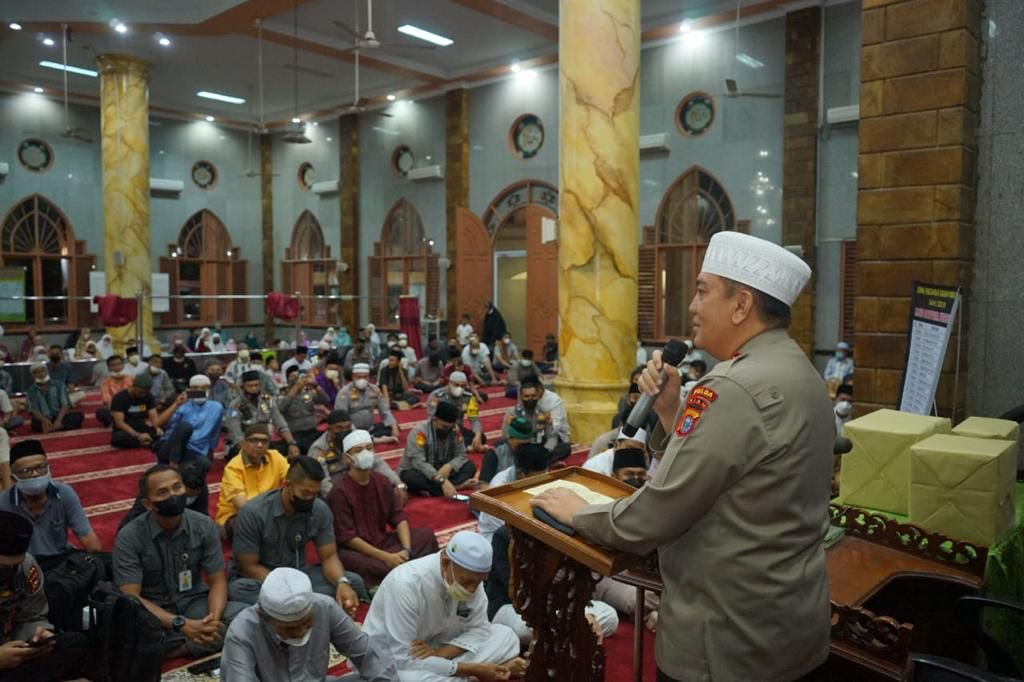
(933, 310)
(12, 283)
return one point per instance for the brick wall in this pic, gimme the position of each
(920, 91)
(800, 152)
(456, 183)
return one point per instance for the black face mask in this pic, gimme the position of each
(339, 438)
(442, 432)
(530, 404)
(435, 360)
(255, 394)
(635, 482)
(172, 506)
(302, 506)
(8, 574)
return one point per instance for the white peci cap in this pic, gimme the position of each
(357, 437)
(758, 263)
(286, 595)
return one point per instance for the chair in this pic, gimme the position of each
(924, 668)
(969, 611)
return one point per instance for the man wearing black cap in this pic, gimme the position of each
(329, 450)
(303, 404)
(394, 381)
(52, 507)
(435, 462)
(136, 422)
(29, 649)
(254, 406)
(300, 360)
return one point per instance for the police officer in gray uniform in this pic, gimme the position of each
(301, 404)
(254, 406)
(360, 398)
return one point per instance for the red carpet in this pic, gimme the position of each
(106, 479)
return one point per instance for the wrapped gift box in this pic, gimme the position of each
(986, 427)
(876, 472)
(963, 487)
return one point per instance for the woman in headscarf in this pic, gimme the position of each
(494, 325)
(31, 341)
(88, 352)
(84, 337)
(216, 345)
(105, 347)
(329, 337)
(342, 338)
(203, 342)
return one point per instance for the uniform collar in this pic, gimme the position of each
(763, 340)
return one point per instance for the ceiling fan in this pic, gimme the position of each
(260, 128)
(732, 90)
(358, 105)
(295, 131)
(368, 40)
(69, 132)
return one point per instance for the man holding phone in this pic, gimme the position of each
(29, 649)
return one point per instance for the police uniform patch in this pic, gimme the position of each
(699, 400)
(421, 439)
(32, 579)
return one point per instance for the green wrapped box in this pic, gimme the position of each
(876, 472)
(986, 427)
(964, 487)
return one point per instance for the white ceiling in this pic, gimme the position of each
(226, 62)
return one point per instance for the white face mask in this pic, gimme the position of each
(118, 374)
(43, 379)
(134, 359)
(154, 370)
(456, 591)
(506, 341)
(361, 384)
(301, 641)
(332, 374)
(455, 391)
(243, 355)
(364, 460)
(199, 401)
(843, 409)
(403, 343)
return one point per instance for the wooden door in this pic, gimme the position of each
(541, 281)
(474, 268)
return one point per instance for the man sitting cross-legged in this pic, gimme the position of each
(257, 470)
(430, 614)
(434, 462)
(364, 506)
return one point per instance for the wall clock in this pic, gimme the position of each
(35, 155)
(402, 160)
(306, 175)
(204, 174)
(526, 136)
(695, 114)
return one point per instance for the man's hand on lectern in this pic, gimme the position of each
(562, 504)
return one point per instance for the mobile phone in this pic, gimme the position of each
(36, 643)
(460, 498)
(193, 393)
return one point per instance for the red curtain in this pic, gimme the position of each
(116, 311)
(409, 321)
(282, 306)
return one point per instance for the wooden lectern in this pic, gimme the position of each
(552, 576)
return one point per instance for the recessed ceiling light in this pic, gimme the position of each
(37, 89)
(515, 67)
(390, 98)
(747, 60)
(69, 68)
(416, 32)
(120, 28)
(685, 27)
(163, 40)
(328, 139)
(14, 26)
(48, 42)
(230, 99)
(210, 119)
(296, 120)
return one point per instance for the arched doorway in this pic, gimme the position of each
(404, 263)
(308, 268)
(506, 250)
(694, 207)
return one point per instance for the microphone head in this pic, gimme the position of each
(674, 352)
(842, 446)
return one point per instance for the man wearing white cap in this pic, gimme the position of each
(459, 391)
(431, 616)
(738, 507)
(373, 533)
(288, 633)
(360, 398)
(839, 368)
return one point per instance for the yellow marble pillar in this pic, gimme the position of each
(599, 80)
(124, 148)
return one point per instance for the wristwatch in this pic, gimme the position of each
(177, 623)
(401, 486)
(345, 580)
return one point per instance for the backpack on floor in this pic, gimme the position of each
(68, 586)
(126, 638)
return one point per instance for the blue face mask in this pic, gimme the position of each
(840, 355)
(33, 486)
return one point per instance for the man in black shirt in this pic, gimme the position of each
(136, 422)
(180, 368)
(394, 379)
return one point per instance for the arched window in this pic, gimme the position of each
(37, 237)
(307, 268)
(404, 263)
(205, 262)
(693, 209)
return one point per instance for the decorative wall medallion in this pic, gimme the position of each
(35, 155)
(306, 175)
(526, 136)
(204, 174)
(402, 160)
(695, 114)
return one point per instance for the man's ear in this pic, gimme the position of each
(743, 306)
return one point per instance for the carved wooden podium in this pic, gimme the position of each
(552, 576)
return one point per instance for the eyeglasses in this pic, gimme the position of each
(258, 442)
(37, 470)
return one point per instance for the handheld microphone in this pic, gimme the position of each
(672, 354)
(842, 446)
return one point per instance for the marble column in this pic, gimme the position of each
(267, 225)
(124, 148)
(599, 77)
(348, 281)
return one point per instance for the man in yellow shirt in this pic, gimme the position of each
(257, 471)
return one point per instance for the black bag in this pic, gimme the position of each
(68, 585)
(126, 638)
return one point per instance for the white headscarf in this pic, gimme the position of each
(216, 345)
(105, 347)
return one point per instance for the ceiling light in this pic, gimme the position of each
(210, 119)
(747, 60)
(296, 120)
(48, 42)
(763, 153)
(515, 67)
(415, 32)
(390, 98)
(230, 99)
(37, 89)
(328, 139)
(120, 28)
(685, 27)
(163, 40)
(69, 69)
(316, 123)
(14, 26)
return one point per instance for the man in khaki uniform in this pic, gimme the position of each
(738, 507)
(361, 399)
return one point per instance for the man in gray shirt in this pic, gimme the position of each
(302, 405)
(435, 459)
(160, 557)
(272, 531)
(288, 637)
(253, 406)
